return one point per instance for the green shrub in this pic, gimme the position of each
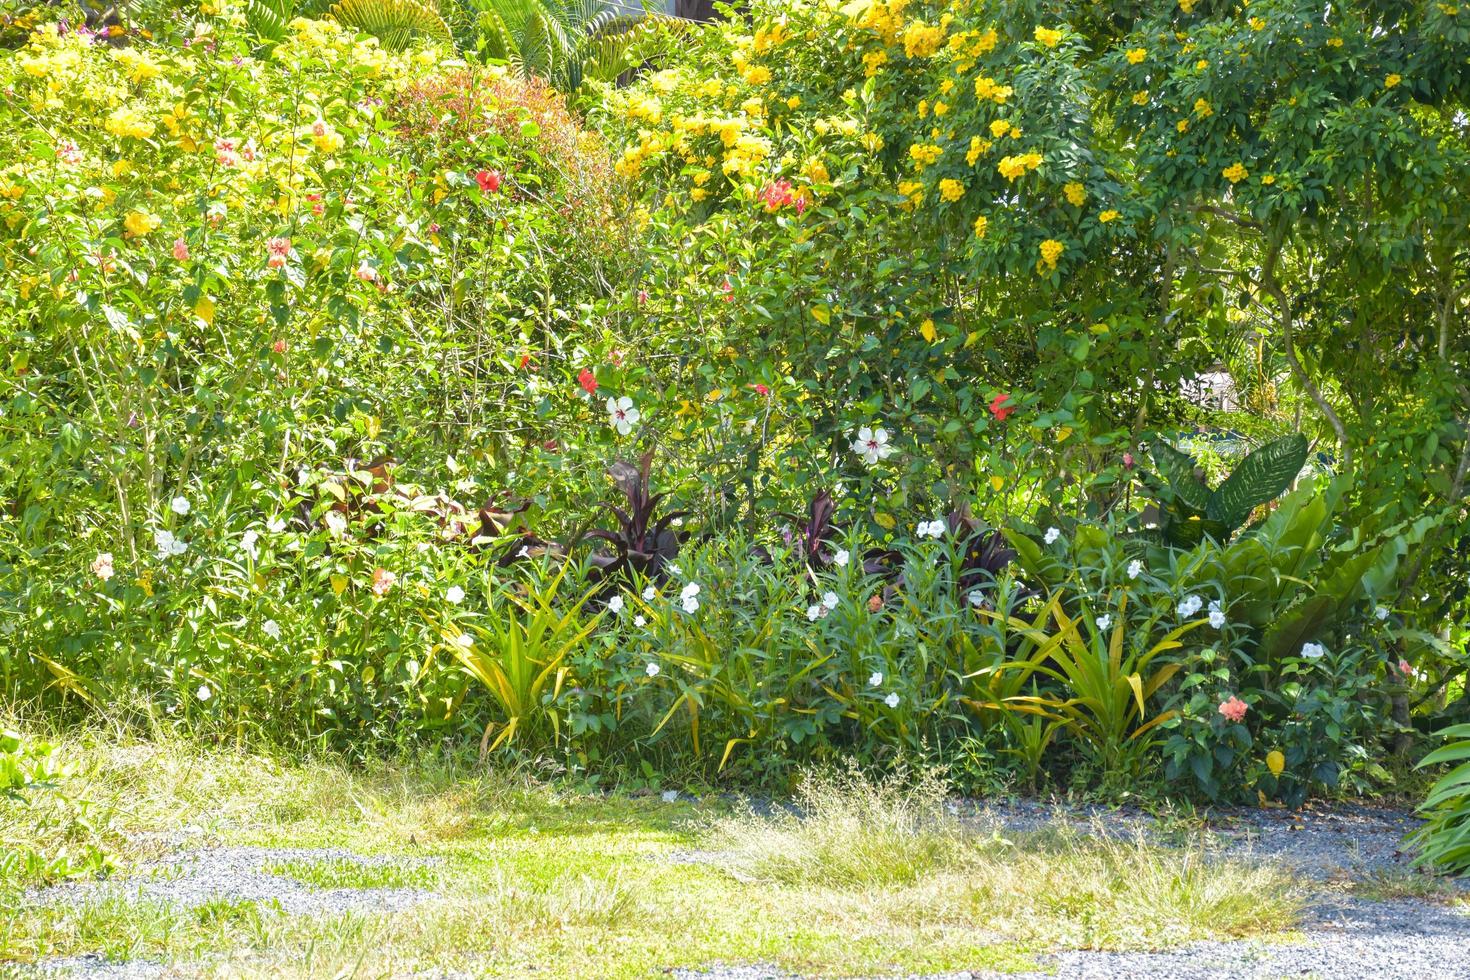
(35, 807)
(1444, 841)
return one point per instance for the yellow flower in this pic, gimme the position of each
(940, 108)
(1392, 80)
(871, 142)
(139, 67)
(768, 37)
(951, 190)
(1108, 215)
(1235, 173)
(923, 108)
(981, 224)
(140, 223)
(1014, 166)
(1276, 762)
(793, 102)
(1268, 179)
(927, 331)
(999, 128)
(1136, 55)
(1201, 65)
(1182, 125)
(1256, 23)
(325, 138)
(1075, 192)
(872, 61)
(1140, 97)
(977, 147)
(913, 190)
(756, 75)
(923, 155)
(1334, 42)
(127, 121)
(1051, 250)
(816, 172)
(1187, 6)
(1048, 36)
(1202, 109)
(921, 40)
(698, 194)
(946, 86)
(987, 89)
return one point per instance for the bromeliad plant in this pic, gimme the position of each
(1105, 673)
(981, 554)
(1190, 509)
(518, 653)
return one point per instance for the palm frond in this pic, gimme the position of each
(567, 41)
(267, 19)
(395, 23)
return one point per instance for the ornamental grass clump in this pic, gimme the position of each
(846, 830)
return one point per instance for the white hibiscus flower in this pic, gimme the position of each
(872, 445)
(621, 414)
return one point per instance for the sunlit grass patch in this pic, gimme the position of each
(858, 877)
(844, 830)
(349, 873)
(896, 853)
(1388, 885)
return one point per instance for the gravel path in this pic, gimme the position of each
(1324, 841)
(194, 877)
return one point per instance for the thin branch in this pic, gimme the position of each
(1273, 289)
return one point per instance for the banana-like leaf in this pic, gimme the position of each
(1261, 477)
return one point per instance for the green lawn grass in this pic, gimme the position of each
(878, 878)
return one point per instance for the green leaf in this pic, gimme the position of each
(1261, 477)
(1178, 469)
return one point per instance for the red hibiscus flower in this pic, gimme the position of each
(999, 408)
(761, 389)
(489, 180)
(776, 195)
(588, 381)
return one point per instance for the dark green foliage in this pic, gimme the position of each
(1190, 509)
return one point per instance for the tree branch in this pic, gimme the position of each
(1273, 289)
